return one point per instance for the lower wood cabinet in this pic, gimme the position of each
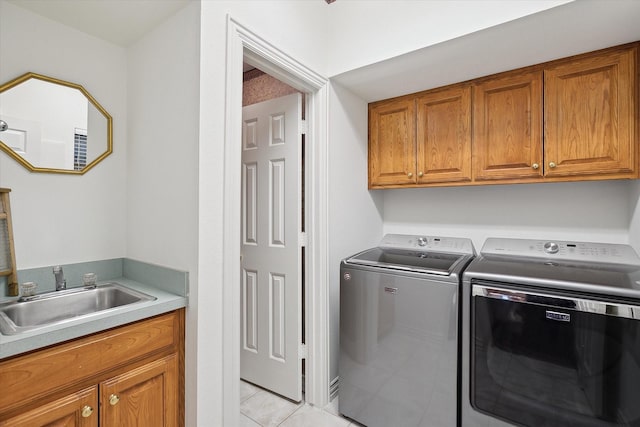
(143, 397)
(78, 409)
(128, 376)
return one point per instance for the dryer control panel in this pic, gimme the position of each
(562, 250)
(456, 245)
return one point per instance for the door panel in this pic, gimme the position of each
(508, 127)
(146, 396)
(444, 136)
(392, 143)
(589, 115)
(271, 288)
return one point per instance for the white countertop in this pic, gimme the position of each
(11, 345)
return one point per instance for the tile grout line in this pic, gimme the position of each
(255, 421)
(288, 416)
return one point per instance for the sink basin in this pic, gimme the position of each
(62, 306)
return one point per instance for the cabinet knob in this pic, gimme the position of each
(86, 411)
(410, 174)
(420, 174)
(114, 399)
(535, 166)
(552, 165)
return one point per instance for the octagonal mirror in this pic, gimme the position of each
(50, 125)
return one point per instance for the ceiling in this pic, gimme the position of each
(573, 28)
(121, 22)
(569, 29)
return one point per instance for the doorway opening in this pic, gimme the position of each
(245, 46)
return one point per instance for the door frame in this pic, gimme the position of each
(244, 45)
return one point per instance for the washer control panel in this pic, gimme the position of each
(455, 245)
(562, 250)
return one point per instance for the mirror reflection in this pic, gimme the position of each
(49, 125)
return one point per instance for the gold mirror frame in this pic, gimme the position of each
(25, 77)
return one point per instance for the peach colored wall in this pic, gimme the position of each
(259, 87)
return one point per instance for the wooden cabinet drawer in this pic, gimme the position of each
(44, 372)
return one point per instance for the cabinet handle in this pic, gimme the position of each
(114, 399)
(535, 166)
(87, 411)
(552, 165)
(410, 174)
(420, 174)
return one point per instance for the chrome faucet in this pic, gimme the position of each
(61, 283)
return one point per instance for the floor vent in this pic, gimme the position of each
(333, 389)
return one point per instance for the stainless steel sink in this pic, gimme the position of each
(62, 306)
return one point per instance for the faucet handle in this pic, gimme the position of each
(61, 283)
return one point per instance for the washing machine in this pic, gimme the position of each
(399, 331)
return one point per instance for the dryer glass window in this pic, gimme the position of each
(545, 361)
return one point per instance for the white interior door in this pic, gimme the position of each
(271, 278)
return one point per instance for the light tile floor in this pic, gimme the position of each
(261, 408)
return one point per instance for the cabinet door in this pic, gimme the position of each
(144, 397)
(76, 410)
(392, 144)
(507, 128)
(444, 136)
(590, 116)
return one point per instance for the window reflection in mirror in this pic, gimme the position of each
(53, 125)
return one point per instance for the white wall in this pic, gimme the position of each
(581, 211)
(356, 38)
(162, 195)
(355, 214)
(60, 219)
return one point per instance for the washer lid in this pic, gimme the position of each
(438, 263)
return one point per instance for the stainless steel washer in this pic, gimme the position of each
(399, 331)
(551, 335)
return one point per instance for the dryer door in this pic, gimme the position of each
(545, 359)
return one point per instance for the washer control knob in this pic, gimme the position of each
(422, 241)
(551, 247)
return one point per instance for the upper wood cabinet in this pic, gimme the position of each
(444, 135)
(392, 143)
(567, 120)
(590, 116)
(507, 127)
